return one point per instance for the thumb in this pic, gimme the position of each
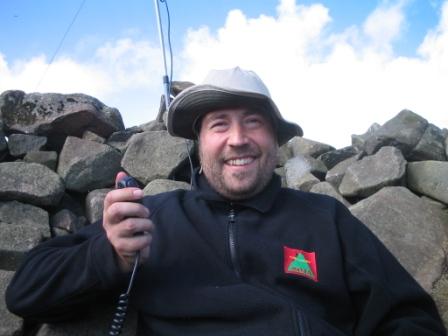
(121, 175)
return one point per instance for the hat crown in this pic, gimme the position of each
(236, 79)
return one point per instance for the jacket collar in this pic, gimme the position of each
(261, 202)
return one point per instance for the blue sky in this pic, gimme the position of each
(329, 63)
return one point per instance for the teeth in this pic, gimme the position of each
(240, 162)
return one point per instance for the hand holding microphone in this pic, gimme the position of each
(126, 222)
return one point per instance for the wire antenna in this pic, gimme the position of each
(60, 43)
(167, 80)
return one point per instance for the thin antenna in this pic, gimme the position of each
(166, 80)
(60, 44)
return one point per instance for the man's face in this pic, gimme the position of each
(238, 151)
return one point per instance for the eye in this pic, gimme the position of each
(254, 121)
(218, 125)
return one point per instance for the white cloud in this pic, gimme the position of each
(332, 83)
(336, 84)
(117, 68)
(435, 45)
(383, 26)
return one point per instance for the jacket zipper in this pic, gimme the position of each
(297, 317)
(232, 242)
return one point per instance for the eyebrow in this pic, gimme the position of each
(216, 115)
(222, 114)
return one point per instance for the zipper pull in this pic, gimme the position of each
(232, 215)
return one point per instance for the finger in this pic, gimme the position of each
(122, 195)
(119, 211)
(133, 227)
(127, 247)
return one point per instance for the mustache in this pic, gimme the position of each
(241, 151)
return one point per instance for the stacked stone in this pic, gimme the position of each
(394, 178)
(59, 155)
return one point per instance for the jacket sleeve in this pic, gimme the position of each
(387, 298)
(61, 275)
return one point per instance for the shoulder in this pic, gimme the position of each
(316, 206)
(311, 201)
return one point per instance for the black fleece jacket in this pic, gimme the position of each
(282, 263)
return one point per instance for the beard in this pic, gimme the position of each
(239, 184)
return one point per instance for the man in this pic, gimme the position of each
(238, 254)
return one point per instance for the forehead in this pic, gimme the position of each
(232, 112)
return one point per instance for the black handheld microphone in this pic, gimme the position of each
(123, 300)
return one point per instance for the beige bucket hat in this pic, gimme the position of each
(221, 89)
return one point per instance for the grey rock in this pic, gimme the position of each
(318, 168)
(20, 144)
(306, 147)
(335, 174)
(57, 232)
(429, 178)
(163, 185)
(304, 181)
(153, 155)
(66, 220)
(95, 204)
(9, 100)
(410, 228)
(446, 146)
(332, 158)
(153, 126)
(75, 203)
(46, 158)
(440, 295)
(295, 169)
(119, 140)
(11, 324)
(3, 145)
(280, 171)
(283, 155)
(299, 165)
(365, 177)
(95, 323)
(359, 141)
(48, 113)
(30, 183)
(403, 131)
(326, 188)
(435, 203)
(89, 135)
(23, 226)
(86, 165)
(430, 147)
(178, 86)
(298, 173)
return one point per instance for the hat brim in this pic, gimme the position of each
(194, 102)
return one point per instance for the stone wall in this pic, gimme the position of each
(59, 155)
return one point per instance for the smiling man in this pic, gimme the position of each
(238, 152)
(238, 254)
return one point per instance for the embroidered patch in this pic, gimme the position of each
(300, 262)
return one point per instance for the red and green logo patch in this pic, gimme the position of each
(300, 262)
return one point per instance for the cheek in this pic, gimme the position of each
(213, 144)
(266, 142)
(209, 150)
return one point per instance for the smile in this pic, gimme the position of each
(240, 161)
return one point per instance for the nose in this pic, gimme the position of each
(237, 135)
